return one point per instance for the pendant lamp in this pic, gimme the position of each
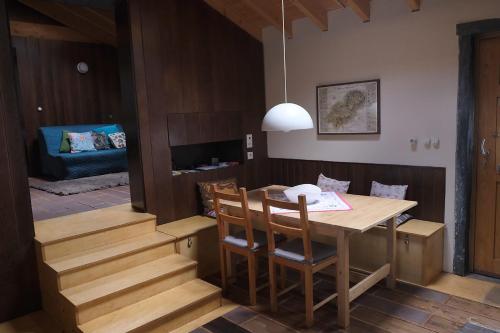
(286, 117)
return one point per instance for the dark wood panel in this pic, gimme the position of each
(132, 92)
(18, 273)
(425, 184)
(48, 78)
(194, 128)
(197, 78)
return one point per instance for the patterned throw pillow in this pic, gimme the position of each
(65, 146)
(226, 186)
(332, 185)
(118, 140)
(81, 142)
(100, 141)
(388, 191)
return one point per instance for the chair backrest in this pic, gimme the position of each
(294, 230)
(224, 220)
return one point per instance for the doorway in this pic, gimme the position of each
(486, 258)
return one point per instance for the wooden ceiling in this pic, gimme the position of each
(251, 15)
(91, 24)
(255, 15)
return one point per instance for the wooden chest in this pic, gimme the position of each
(419, 251)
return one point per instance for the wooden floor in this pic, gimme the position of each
(380, 310)
(407, 309)
(47, 205)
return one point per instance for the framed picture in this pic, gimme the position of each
(349, 108)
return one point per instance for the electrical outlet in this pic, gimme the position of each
(249, 141)
(250, 155)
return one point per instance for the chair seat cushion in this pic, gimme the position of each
(294, 250)
(259, 239)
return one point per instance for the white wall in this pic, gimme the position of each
(416, 57)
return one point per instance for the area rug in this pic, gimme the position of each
(80, 185)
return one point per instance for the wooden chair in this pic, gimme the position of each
(300, 253)
(249, 243)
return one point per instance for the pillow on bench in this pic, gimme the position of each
(388, 191)
(332, 185)
(227, 186)
(391, 192)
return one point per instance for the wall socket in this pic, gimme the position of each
(249, 155)
(249, 141)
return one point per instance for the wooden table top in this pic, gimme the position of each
(366, 212)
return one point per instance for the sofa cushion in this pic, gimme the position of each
(100, 140)
(108, 129)
(65, 146)
(118, 140)
(81, 142)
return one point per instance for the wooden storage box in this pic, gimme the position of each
(419, 251)
(197, 239)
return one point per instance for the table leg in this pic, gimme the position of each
(391, 252)
(343, 279)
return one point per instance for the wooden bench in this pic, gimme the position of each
(419, 251)
(197, 239)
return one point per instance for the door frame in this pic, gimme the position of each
(465, 171)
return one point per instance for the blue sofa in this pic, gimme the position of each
(56, 165)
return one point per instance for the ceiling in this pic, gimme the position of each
(255, 15)
(251, 15)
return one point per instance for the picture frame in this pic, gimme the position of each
(350, 108)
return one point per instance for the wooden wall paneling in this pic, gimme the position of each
(134, 112)
(425, 184)
(194, 78)
(19, 288)
(196, 70)
(48, 78)
(225, 42)
(160, 33)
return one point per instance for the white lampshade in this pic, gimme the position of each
(286, 117)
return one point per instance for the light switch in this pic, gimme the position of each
(249, 141)
(250, 155)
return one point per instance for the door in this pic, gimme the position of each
(487, 212)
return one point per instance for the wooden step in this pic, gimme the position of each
(112, 292)
(105, 260)
(82, 224)
(72, 246)
(162, 312)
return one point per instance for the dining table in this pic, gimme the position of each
(366, 213)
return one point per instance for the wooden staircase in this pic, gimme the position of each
(109, 270)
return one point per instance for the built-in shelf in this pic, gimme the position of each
(190, 157)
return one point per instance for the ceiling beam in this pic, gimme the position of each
(414, 5)
(270, 18)
(84, 20)
(314, 12)
(361, 8)
(47, 31)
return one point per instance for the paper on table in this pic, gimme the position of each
(329, 201)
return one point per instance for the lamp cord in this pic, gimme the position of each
(284, 47)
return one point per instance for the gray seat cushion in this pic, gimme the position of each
(294, 250)
(259, 239)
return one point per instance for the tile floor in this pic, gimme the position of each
(47, 205)
(408, 308)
